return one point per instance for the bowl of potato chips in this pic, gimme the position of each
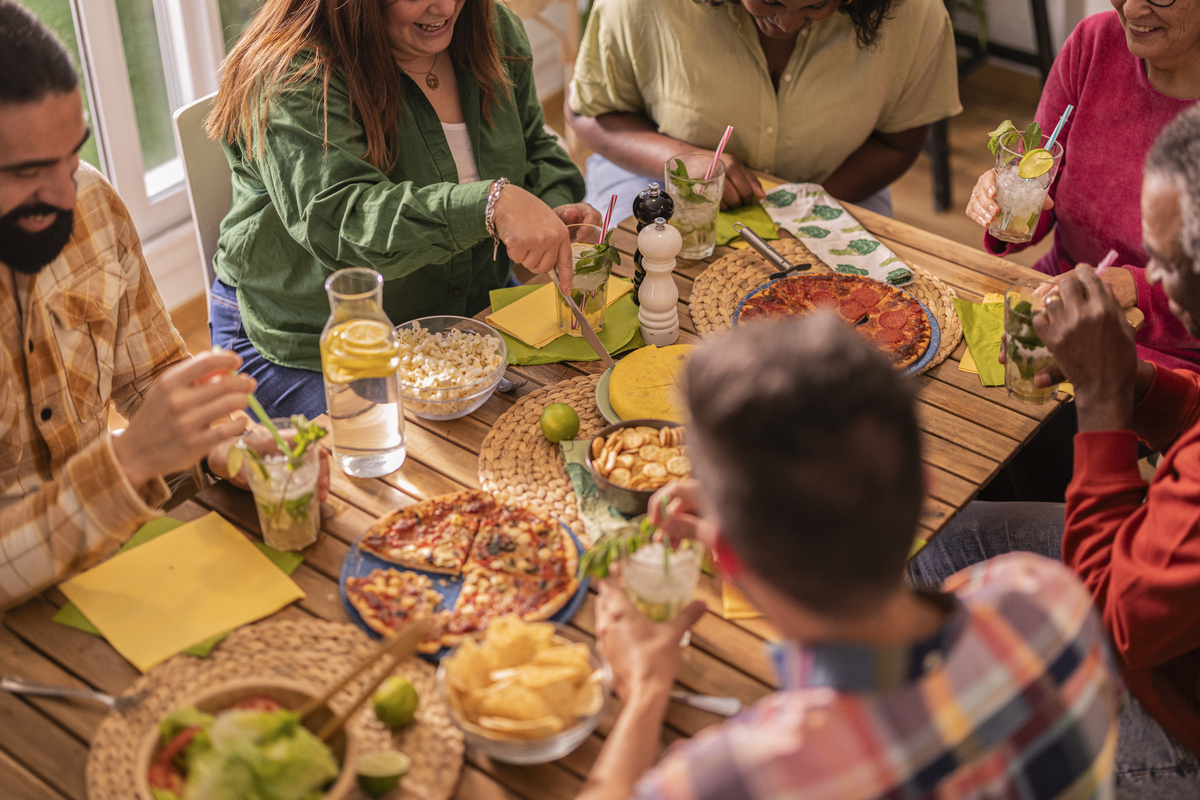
(631, 460)
(529, 693)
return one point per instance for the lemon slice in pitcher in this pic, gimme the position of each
(1035, 163)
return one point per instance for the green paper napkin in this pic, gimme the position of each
(71, 616)
(752, 215)
(597, 515)
(621, 332)
(983, 325)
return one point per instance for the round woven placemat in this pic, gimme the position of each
(719, 288)
(517, 462)
(309, 652)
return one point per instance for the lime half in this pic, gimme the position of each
(380, 772)
(1034, 163)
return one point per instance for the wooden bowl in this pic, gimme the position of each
(290, 695)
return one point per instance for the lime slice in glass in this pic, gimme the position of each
(380, 772)
(1034, 163)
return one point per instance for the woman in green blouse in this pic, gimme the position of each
(371, 133)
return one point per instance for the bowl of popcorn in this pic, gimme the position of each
(528, 693)
(449, 366)
(631, 460)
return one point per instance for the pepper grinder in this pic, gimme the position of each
(658, 313)
(650, 204)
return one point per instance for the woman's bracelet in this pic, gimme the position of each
(489, 215)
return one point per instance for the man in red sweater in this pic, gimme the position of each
(1135, 545)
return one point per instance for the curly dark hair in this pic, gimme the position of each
(867, 15)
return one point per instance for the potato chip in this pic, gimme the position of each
(646, 430)
(511, 699)
(625, 460)
(524, 729)
(590, 698)
(510, 642)
(574, 654)
(620, 476)
(633, 439)
(597, 446)
(467, 669)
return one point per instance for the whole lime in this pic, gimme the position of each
(559, 421)
(379, 773)
(395, 702)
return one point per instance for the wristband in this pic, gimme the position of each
(489, 214)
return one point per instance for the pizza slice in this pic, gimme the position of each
(387, 599)
(434, 535)
(523, 541)
(487, 594)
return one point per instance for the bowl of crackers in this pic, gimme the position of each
(629, 461)
(528, 693)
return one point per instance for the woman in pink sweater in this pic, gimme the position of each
(1128, 73)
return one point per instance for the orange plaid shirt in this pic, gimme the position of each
(87, 330)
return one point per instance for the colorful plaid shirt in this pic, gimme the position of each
(87, 330)
(1015, 698)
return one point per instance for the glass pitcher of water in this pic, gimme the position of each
(360, 355)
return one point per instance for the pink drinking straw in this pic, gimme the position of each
(717, 155)
(607, 218)
(1108, 261)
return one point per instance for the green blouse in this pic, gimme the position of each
(302, 210)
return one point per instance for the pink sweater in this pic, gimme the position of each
(1097, 194)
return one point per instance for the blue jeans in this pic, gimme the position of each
(1150, 764)
(283, 391)
(604, 179)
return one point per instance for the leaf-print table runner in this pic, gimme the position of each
(807, 212)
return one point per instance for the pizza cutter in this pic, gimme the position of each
(772, 255)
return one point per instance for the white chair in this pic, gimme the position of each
(209, 181)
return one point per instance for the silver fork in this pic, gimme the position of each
(118, 704)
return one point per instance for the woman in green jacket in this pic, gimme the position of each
(372, 133)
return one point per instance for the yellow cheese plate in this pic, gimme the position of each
(644, 385)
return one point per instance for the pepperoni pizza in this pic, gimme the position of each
(890, 319)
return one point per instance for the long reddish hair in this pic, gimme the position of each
(350, 36)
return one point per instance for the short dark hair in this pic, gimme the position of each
(33, 62)
(867, 16)
(1175, 157)
(805, 441)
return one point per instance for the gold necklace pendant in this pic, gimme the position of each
(432, 81)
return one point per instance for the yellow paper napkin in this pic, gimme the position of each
(195, 582)
(534, 320)
(735, 605)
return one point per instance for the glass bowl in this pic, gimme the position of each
(546, 749)
(442, 396)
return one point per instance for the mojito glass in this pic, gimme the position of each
(661, 581)
(1025, 354)
(589, 286)
(285, 490)
(1020, 199)
(697, 201)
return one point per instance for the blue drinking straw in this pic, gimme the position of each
(1061, 121)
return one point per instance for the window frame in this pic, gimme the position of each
(190, 38)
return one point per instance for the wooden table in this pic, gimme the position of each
(970, 431)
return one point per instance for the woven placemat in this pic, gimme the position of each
(518, 463)
(309, 652)
(719, 288)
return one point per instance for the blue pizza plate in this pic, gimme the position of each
(359, 563)
(935, 330)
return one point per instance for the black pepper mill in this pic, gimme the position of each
(650, 204)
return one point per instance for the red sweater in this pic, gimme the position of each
(1097, 193)
(1137, 548)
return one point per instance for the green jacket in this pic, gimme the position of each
(301, 211)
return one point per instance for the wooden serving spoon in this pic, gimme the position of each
(400, 646)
